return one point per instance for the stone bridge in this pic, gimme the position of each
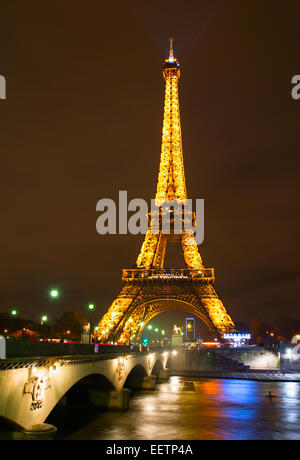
(30, 388)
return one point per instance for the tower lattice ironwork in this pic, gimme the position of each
(149, 289)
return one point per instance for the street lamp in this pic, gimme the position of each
(13, 313)
(44, 319)
(53, 294)
(91, 308)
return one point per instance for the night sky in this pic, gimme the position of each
(83, 120)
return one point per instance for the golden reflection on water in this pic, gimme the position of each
(217, 409)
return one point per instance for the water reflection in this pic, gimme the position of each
(217, 409)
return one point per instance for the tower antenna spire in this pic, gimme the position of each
(171, 54)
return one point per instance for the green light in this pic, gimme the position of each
(54, 293)
(44, 318)
(91, 306)
(14, 312)
(156, 329)
(150, 327)
(141, 324)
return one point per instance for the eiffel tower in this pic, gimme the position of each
(149, 289)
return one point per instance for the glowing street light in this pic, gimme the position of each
(91, 308)
(13, 313)
(44, 319)
(54, 293)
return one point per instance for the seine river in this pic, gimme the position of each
(207, 409)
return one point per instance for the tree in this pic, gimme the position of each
(72, 322)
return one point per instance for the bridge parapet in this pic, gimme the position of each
(31, 362)
(28, 348)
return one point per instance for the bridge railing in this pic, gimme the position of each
(50, 359)
(168, 274)
(27, 348)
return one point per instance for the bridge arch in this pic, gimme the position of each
(169, 362)
(158, 366)
(79, 394)
(135, 376)
(7, 424)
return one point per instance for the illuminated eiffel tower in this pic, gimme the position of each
(149, 289)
